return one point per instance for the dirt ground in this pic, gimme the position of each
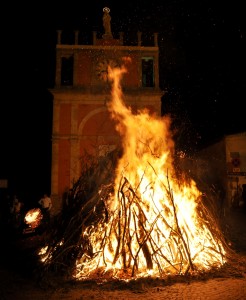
(18, 278)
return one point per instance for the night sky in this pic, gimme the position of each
(202, 69)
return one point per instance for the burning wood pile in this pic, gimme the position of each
(32, 219)
(129, 216)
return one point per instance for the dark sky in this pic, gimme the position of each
(202, 69)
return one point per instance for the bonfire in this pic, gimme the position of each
(129, 215)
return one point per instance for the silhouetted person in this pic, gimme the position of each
(16, 211)
(46, 205)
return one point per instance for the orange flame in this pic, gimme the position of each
(154, 226)
(33, 217)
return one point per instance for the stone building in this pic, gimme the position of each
(81, 121)
(222, 165)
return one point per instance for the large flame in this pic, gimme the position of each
(155, 226)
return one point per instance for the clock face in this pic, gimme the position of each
(102, 68)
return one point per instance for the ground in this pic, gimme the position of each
(19, 280)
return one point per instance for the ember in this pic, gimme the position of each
(151, 223)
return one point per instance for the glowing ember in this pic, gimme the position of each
(156, 225)
(33, 218)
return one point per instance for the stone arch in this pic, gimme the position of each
(97, 133)
(87, 117)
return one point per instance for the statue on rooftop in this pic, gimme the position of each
(107, 22)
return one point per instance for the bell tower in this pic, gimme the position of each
(81, 121)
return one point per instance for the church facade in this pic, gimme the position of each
(81, 121)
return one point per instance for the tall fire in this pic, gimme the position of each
(152, 223)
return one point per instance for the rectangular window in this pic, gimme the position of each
(67, 71)
(147, 72)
